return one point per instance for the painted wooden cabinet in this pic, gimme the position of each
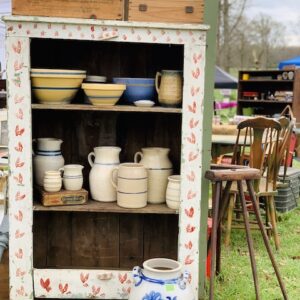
(88, 251)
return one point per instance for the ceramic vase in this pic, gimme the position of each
(47, 157)
(159, 168)
(52, 181)
(72, 177)
(160, 279)
(106, 159)
(168, 84)
(131, 185)
(173, 192)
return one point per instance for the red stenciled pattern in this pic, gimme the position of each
(191, 176)
(19, 163)
(191, 195)
(20, 114)
(193, 156)
(20, 196)
(18, 99)
(189, 212)
(188, 245)
(188, 260)
(193, 107)
(64, 288)
(17, 47)
(45, 284)
(193, 123)
(84, 278)
(19, 147)
(19, 131)
(122, 278)
(190, 228)
(20, 273)
(19, 216)
(19, 180)
(19, 234)
(19, 254)
(192, 139)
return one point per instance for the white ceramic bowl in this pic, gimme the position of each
(103, 94)
(56, 86)
(144, 103)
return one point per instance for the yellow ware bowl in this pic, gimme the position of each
(103, 94)
(55, 86)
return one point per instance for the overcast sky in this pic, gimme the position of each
(286, 12)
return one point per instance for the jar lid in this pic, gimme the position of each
(93, 78)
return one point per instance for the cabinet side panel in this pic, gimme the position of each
(191, 161)
(20, 164)
(296, 99)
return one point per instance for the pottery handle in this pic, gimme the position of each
(158, 75)
(136, 274)
(184, 280)
(90, 159)
(113, 176)
(136, 157)
(61, 170)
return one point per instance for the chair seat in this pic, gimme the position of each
(263, 191)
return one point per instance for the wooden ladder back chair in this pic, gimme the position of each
(259, 149)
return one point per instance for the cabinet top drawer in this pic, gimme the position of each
(178, 11)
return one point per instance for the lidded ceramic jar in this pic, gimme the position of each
(72, 177)
(131, 186)
(160, 278)
(106, 159)
(173, 192)
(52, 181)
(159, 168)
(47, 157)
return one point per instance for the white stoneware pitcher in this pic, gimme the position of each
(72, 177)
(106, 159)
(48, 157)
(159, 168)
(161, 278)
(132, 181)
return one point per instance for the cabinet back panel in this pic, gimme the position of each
(98, 240)
(106, 58)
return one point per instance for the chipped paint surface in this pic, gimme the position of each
(92, 284)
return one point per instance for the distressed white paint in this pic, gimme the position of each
(51, 283)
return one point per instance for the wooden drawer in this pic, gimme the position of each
(86, 9)
(176, 11)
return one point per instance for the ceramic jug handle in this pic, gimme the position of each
(136, 273)
(61, 170)
(90, 159)
(112, 177)
(184, 280)
(158, 75)
(136, 157)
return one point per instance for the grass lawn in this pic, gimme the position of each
(236, 278)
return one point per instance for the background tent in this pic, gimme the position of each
(223, 80)
(295, 61)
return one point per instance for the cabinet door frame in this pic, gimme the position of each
(27, 282)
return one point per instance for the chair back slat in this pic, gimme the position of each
(259, 148)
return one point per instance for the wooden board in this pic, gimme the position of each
(176, 11)
(86, 9)
(4, 285)
(63, 197)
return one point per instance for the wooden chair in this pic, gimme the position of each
(264, 153)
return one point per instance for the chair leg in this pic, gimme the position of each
(268, 216)
(273, 221)
(229, 220)
(249, 238)
(216, 202)
(265, 238)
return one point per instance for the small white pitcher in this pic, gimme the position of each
(72, 177)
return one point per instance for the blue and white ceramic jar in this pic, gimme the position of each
(160, 279)
(47, 157)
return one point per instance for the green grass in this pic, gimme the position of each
(235, 280)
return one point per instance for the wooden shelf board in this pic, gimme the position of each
(112, 207)
(270, 80)
(265, 101)
(117, 108)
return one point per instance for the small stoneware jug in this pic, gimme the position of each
(52, 181)
(106, 159)
(173, 192)
(169, 87)
(72, 177)
(47, 157)
(159, 168)
(131, 186)
(161, 278)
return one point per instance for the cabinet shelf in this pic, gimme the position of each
(270, 80)
(109, 207)
(116, 108)
(265, 101)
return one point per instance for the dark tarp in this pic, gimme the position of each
(223, 80)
